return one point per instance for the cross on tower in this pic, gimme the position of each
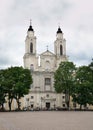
(47, 47)
(30, 22)
(59, 24)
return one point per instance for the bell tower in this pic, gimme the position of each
(60, 46)
(30, 42)
(30, 49)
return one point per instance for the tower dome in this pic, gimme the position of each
(59, 30)
(30, 27)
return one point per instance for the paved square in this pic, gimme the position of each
(46, 120)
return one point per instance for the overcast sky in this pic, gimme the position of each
(75, 18)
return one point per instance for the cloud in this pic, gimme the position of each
(75, 18)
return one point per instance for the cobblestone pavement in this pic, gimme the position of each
(46, 120)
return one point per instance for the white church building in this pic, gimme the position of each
(42, 93)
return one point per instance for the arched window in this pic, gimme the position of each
(31, 47)
(61, 50)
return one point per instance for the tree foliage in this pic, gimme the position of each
(91, 72)
(23, 80)
(16, 83)
(2, 90)
(83, 90)
(64, 79)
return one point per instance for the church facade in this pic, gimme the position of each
(42, 94)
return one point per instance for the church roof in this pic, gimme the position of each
(59, 30)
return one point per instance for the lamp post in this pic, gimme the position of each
(41, 102)
(27, 103)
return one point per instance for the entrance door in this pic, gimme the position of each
(47, 105)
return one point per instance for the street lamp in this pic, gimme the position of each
(41, 102)
(27, 103)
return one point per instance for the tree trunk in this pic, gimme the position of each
(67, 99)
(67, 92)
(80, 107)
(2, 107)
(18, 103)
(9, 100)
(9, 103)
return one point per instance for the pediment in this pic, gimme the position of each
(47, 53)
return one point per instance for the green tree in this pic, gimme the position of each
(16, 81)
(22, 82)
(83, 89)
(64, 80)
(91, 72)
(8, 84)
(2, 90)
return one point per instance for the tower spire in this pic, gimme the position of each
(30, 22)
(30, 27)
(59, 25)
(59, 30)
(47, 47)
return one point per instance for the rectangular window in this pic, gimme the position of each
(47, 81)
(63, 97)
